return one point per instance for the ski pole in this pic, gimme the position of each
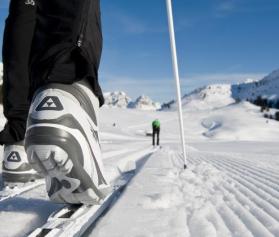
(176, 76)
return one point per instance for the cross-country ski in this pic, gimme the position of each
(74, 220)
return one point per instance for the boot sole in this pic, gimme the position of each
(61, 163)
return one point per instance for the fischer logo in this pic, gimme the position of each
(14, 157)
(30, 2)
(50, 103)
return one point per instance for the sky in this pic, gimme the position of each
(218, 41)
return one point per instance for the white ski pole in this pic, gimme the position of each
(176, 75)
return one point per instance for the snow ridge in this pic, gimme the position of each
(268, 87)
(119, 99)
(220, 95)
(144, 103)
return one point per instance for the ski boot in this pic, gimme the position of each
(16, 170)
(63, 145)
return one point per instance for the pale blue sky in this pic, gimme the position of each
(217, 41)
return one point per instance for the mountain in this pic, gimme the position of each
(219, 95)
(267, 87)
(117, 99)
(144, 103)
(120, 99)
(212, 96)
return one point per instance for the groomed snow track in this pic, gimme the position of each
(77, 221)
(32, 207)
(250, 194)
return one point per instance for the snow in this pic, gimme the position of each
(119, 99)
(267, 87)
(230, 189)
(213, 96)
(144, 103)
(221, 194)
(220, 95)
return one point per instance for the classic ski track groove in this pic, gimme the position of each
(253, 171)
(117, 152)
(264, 169)
(265, 185)
(251, 194)
(127, 153)
(114, 200)
(253, 202)
(21, 191)
(249, 184)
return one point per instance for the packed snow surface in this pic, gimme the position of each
(230, 189)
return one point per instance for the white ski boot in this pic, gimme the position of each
(16, 170)
(62, 143)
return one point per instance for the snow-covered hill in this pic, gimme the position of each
(267, 87)
(213, 96)
(219, 95)
(120, 99)
(117, 99)
(144, 103)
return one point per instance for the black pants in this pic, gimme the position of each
(156, 132)
(47, 41)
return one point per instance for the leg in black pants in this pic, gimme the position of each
(16, 50)
(66, 48)
(158, 137)
(156, 132)
(62, 140)
(67, 43)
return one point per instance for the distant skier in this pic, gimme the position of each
(51, 55)
(156, 131)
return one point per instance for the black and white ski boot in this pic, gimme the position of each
(62, 143)
(16, 170)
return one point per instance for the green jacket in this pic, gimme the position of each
(156, 124)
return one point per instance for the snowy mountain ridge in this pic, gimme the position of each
(267, 87)
(215, 96)
(144, 103)
(120, 99)
(219, 95)
(117, 99)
